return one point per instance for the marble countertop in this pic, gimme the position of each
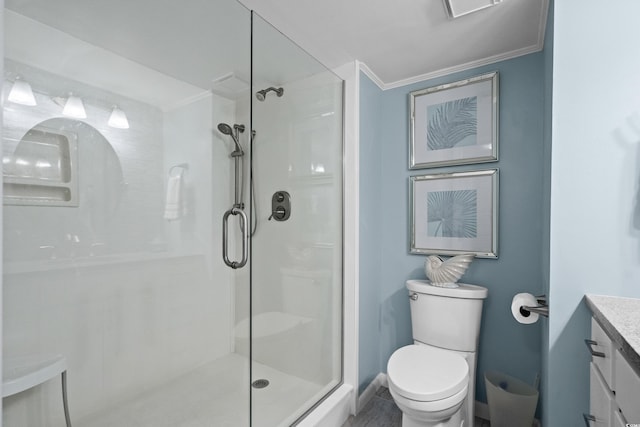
(620, 319)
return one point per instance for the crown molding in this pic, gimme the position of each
(537, 47)
(372, 76)
(464, 67)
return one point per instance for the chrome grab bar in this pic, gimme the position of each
(225, 237)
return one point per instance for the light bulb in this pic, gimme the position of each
(21, 93)
(74, 108)
(118, 119)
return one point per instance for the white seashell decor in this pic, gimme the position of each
(446, 273)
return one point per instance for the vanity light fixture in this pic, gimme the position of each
(21, 93)
(74, 107)
(118, 119)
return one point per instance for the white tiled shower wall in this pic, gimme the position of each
(298, 268)
(131, 300)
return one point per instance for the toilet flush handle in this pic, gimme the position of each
(413, 296)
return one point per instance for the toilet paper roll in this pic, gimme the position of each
(524, 299)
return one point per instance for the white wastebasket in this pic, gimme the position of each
(512, 403)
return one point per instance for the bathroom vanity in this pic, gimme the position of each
(614, 370)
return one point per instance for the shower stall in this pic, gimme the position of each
(172, 217)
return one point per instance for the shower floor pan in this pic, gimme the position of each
(214, 395)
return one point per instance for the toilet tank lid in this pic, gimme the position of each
(425, 373)
(462, 291)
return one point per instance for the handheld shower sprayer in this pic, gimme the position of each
(248, 225)
(262, 94)
(238, 156)
(233, 133)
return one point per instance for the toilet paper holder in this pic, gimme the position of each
(542, 309)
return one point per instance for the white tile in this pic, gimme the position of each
(214, 395)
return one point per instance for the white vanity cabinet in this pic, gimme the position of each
(614, 385)
(627, 389)
(601, 400)
(618, 421)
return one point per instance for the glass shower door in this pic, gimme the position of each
(119, 120)
(296, 262)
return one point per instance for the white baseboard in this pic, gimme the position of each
(379, 381)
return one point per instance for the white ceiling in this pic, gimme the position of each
(162, 53)
(166, 52)
(404, 41)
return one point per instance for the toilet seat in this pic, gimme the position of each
(423, 373)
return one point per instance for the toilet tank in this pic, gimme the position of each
(446, 317)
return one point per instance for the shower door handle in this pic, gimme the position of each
(225, 237)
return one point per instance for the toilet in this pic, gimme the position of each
(433, 380)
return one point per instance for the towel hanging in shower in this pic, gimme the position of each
(174, 206)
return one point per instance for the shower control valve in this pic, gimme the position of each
(280, 206)
(278, 214)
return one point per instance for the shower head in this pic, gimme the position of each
(227, 130)
(262, 94)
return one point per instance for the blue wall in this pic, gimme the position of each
(595, 177)
(385, 263)
(371, 248)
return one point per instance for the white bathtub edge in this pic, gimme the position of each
(333, 411)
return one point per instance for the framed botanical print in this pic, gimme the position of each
(455, 123)
(455, 213)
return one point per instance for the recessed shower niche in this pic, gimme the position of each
(45, 166)
(42, 170)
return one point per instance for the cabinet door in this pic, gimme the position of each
(603, 345)
(627, 389)
(618, 420)
(600, 402)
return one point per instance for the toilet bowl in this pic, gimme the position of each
(429, 385)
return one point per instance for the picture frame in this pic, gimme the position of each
(455, 123)
(455, 213)
(458, 9)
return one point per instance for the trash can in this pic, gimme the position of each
(512, 403)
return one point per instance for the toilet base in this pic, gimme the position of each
(456, 420)
(441, 413)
